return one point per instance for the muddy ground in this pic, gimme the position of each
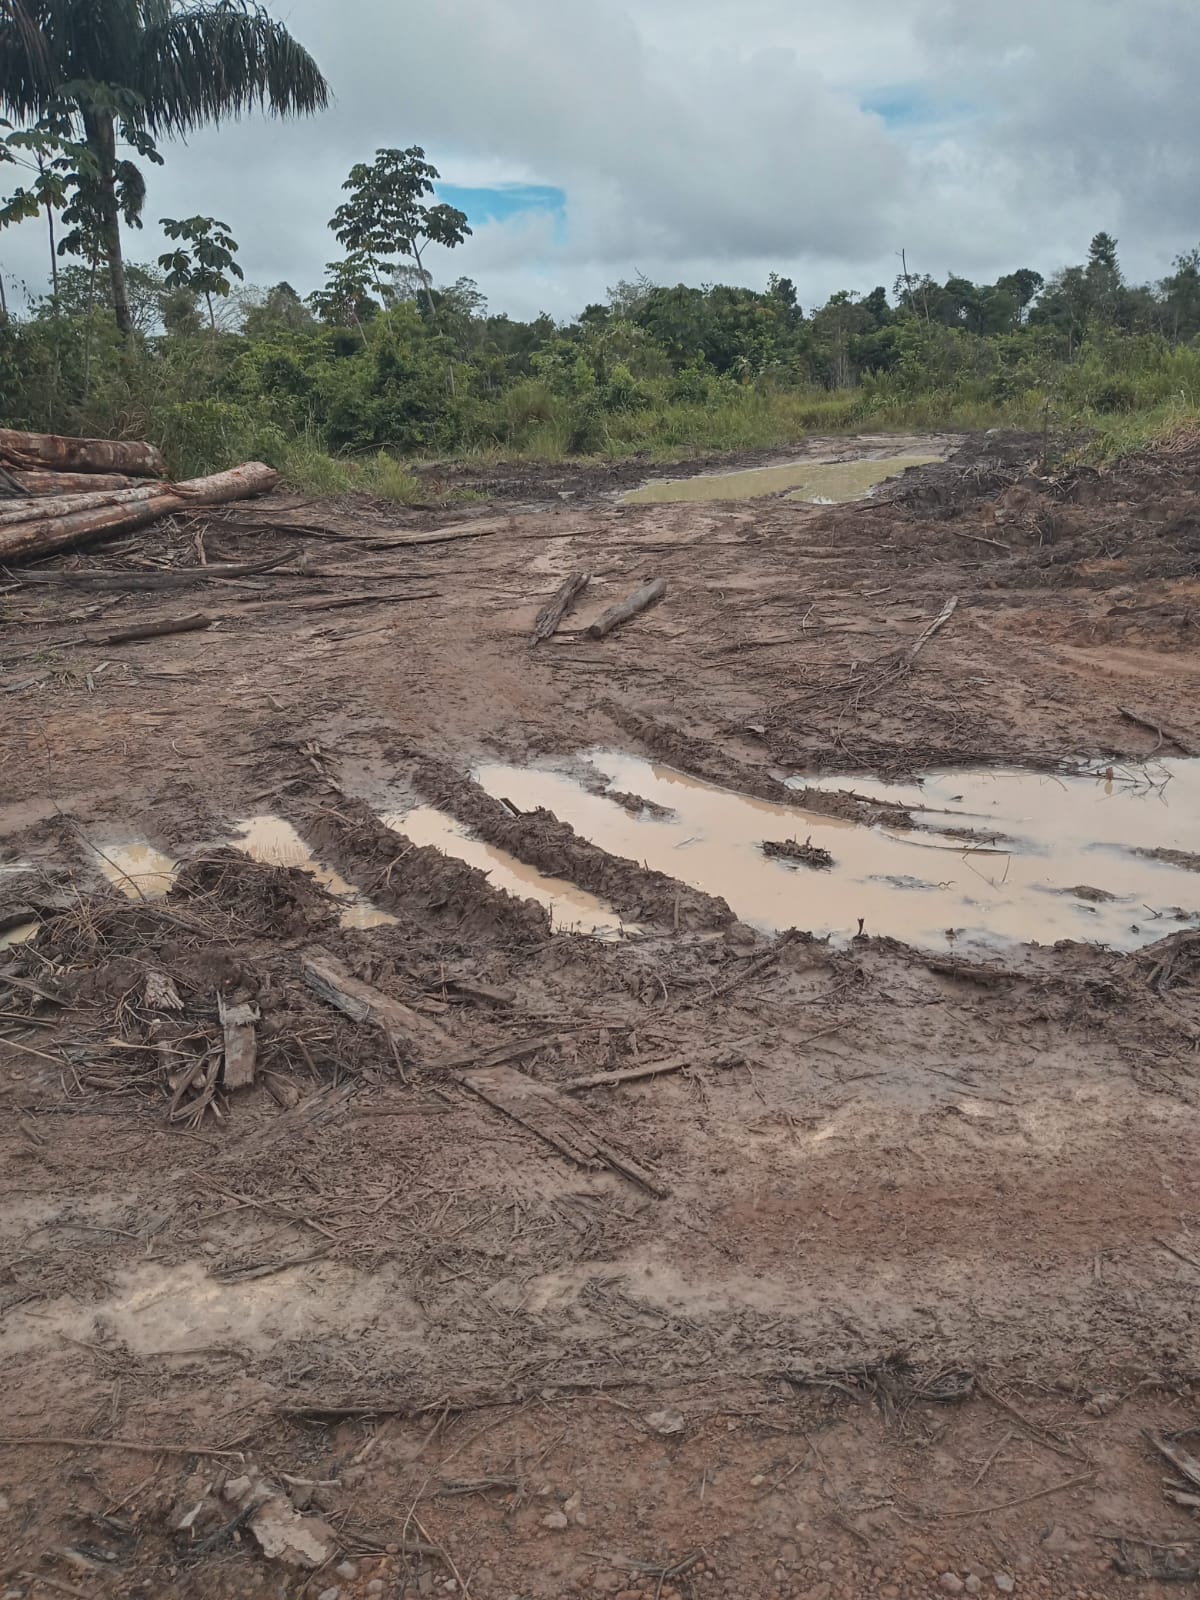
(879, 1293)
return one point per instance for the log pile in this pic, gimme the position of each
(56, 492)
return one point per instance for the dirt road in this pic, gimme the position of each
(874, 1290)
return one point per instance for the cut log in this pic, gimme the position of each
(153, 630)
(40, 482)
(560, 1123)
(45, 535)
(42, 508)
(629, 607)
(132, 456)
(241, 1042)
(551, 614)
(410, 1033)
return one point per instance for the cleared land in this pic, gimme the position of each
(885, 1279)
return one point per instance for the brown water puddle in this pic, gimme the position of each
(136, 868)
(1060, 835)
(273, 841)
(825, 483)
(572, 910)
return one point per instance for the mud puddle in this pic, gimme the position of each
(824, 483)
(273, 841)
(1061, 864)
(137, 868)
(572, 910)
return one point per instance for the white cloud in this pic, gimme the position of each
(700, 141)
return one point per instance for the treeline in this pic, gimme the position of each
(389, 363)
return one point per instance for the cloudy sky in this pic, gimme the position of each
(718, 140)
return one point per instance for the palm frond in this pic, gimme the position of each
(204, 62)
(26, 62)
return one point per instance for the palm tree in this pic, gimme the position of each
(140, 68)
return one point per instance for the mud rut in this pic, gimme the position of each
(917, 1259)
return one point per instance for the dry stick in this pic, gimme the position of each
(1038, 1494)
(1171, 1250)
(599, 1080)
(55, 1441)
(978, 538)
(923, 638)
(1043, 1435)
(109, 578)
(551, 614)
(1179, 1459)
(1176, 739)
(632, 604)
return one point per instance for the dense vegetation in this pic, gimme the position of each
(379, 365)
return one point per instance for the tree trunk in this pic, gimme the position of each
(102, 141)
(63, 453)
(45, 535)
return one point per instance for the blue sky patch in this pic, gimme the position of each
(503, 201)
(909, 107)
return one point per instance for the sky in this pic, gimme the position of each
(710, 141)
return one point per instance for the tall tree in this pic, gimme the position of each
(386, 217)
(127, 70)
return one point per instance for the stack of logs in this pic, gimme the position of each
(56, 492)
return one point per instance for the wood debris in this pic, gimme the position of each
(556, 1120)
(632, 604)
(241, 1041)
(551, 614)
(410, 1034)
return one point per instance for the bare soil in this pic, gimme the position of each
(918, 1269)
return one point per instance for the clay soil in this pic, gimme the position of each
(915, 1270)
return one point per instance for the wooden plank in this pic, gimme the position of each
(407, 1030)
(561, 1124)
(241, 1042)
(552, 613)
(629, 607)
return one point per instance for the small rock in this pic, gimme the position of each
(329, 1594)
(1058, 1542)
(629, 1594)
(376, 1586)
(1101, 1404)
(951, 1583)
(580, 1519)
(347, 1570)
(819, 1591)
(889, 1592)
(666, 1422)
(556, 1520)
(572, 1505)
(757, 1481)
(973, 1584)
(237, 1488)
(1004, 1582)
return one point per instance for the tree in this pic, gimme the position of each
(280, 308)
(386, 219)
(207, 267)
(127, 70)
